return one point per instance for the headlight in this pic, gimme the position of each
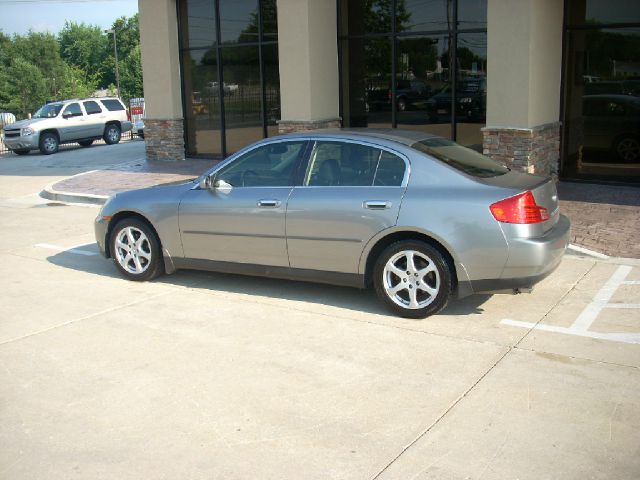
(465, 100)
(27, 131)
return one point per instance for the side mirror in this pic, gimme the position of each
(67, 115)
(205, 182)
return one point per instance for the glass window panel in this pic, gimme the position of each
(424, 15)
(272, 87)
(390, 171)
(360, 17)
(602, 113)
(267, 166)
(471, 109)
(472, 14)
(72, 110)
(341, 164)
(197, 23)
(602, 12)
(269, 20)
(239, 21)
(92, 108)
(423, 86)
(202, 105)
(366, 77)
(242, 96)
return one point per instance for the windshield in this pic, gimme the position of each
(460, 158)
(48, 111)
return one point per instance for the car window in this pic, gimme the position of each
(341, 164)
(50, 110)
(72, 110)
(112, 105)
(92, 108)
(270, 165)
(390, 171)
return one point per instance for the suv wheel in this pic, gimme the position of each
(48, 143)
(413, 279)
(22, 151)
(136, 250)
(112, 134)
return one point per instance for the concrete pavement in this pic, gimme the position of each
(201, 375)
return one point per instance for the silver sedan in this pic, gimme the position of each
(418, 217)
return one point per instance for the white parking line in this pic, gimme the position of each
(581, 325)
(75, 249)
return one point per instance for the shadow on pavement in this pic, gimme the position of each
(314, 293)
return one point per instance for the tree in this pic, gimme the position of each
(23, 87)
(131, 75)
(84, 46)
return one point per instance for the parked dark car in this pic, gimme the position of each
(409, 94)
(612, 124)
(471, 102)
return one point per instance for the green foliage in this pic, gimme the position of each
(83, 46)
(23, 87)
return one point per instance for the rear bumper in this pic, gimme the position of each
(126, 126)
(530, 260)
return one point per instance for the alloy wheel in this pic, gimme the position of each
(629, 149)
(50, 144)
(411, 279)
(113, 134)
(133, 250)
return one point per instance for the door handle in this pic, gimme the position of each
(269, 203)
(376, 204)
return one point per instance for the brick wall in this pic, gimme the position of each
(291, 126)
(164, 139)
(531, 150)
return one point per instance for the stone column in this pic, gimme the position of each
(308, 56)
(524, 65)
(164, 125)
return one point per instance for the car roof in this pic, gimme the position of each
(404, 137)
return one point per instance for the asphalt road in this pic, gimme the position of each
(201, 375)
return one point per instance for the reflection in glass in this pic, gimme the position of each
(602, 115)
(366, 70)
(272, 87)
(421, 15)
(602, 12)
(362, 17)
(242, 96)
(197, 23)
(269, 20)
(202, 105)
(423, 88)
(471, 101)
(472, 14)
(238, 21)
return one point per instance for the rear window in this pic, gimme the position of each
(461, 158)
(112, 105)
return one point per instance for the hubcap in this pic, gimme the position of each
(49, 144)
(629, 149)
(411, 280)
(133, 250)
(113, 134)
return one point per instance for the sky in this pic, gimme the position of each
(18, 16)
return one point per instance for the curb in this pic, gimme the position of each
(51, 193)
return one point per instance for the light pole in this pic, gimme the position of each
(115, 52)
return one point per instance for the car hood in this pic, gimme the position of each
(24, 123)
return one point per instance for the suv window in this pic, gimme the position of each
(72, 110)
(460, 158)
(352, 165)
(266, 166)
(113, 105)
(92, 108)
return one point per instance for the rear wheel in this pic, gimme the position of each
(628, 149)
(22, 151)
(135, 250)
(85, 143)
(48, 143)
(413, 279)
(112, 134)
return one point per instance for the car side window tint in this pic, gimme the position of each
(72, 110)
(92, 108)
(390, 172)
(113, 105)
(266, 166)
(341, 164)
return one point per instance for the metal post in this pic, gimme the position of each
(115, 53)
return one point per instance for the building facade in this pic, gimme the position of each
(545, 86)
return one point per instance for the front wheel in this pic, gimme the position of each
(112, 134)
(413, 279)
(22, 151)
(48, 143)
(135, 250)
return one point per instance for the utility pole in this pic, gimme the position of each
(115, 53)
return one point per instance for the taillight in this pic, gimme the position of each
(521, 208)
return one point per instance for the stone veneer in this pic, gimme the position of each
(291, 126)
(531, 150)
(164, 139)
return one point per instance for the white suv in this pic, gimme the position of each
(79, 120)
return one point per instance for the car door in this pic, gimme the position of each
(74, 125)
(350, 192)
(95, 118)
(243, 219)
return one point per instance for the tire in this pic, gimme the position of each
(144, 261)
(422, 273)
(627, 149)
(85, 143)
(22, 151)
(48, 143)
(111, 134)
